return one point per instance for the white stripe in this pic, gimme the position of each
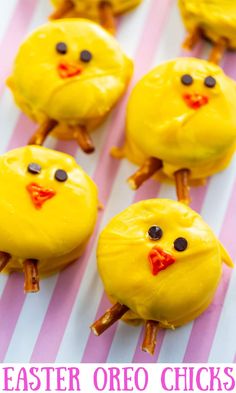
(29, 323)
(224, 344)
(7, 11)
(218, 194)
(9, 113)
(86, 305)
(20, 347)
(125, 352)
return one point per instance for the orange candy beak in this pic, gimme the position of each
(195, 101)
(39, 195)
(68, 70)
(159, 260)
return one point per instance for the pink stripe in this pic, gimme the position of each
(204, 328)
(92, 341)
(10, 307)
(15, 32)
(197, 195)
(23, 130)
(106, 169)
(13, 298)
(150, 190)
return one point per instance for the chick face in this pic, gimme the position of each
(160, 259)
(90, 8)
(216, 18)
(48, 208)
(184, 113)
(69, 70)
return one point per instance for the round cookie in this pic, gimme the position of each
(161, 262)
(183, 116)
(215, 20)
(48, 209)
(67, 76)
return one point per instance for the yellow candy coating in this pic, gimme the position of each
(56, 233)
(184, 289)
(86, 98)
(161, 124)
(216, 18)
(90, 8)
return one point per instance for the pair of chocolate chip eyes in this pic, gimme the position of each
(35, 169)
(156, 233)
(85, 55)
(188, 80)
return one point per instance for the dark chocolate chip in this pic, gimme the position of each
(61, 48)
(61, 175)
(180, 244)
(155, 233)
(187, 80)
(210, 82)
(86, 56)
(34, 168)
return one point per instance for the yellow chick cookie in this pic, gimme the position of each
(67, 77)
(181, 119)
(48, 210)
(100, 11)
(160, 263)
(213, 19)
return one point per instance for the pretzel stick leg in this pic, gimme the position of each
(107, 18)
(4, 259)
(218, 51)
(192, 39)
(62, 10)
(182, 185)
(109, 318)
(42, 132)
(150, 337)
(149, 168)
(31, 276)
(83, 138)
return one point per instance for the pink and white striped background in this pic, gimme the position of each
(53, 326)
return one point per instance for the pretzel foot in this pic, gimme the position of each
(62, 10)
(31, 284)
(149, 168)
(192, 39)
(107, 18)
(42, 132)
(218, 51)
(150, 337)
(109, 318)
(182, 185)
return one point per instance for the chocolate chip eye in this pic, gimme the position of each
(210, 82)
(61, 175)
(155, 233)
(86, 56)
(187, 80)
(180, 244)
(61, 48)
(34, 168)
